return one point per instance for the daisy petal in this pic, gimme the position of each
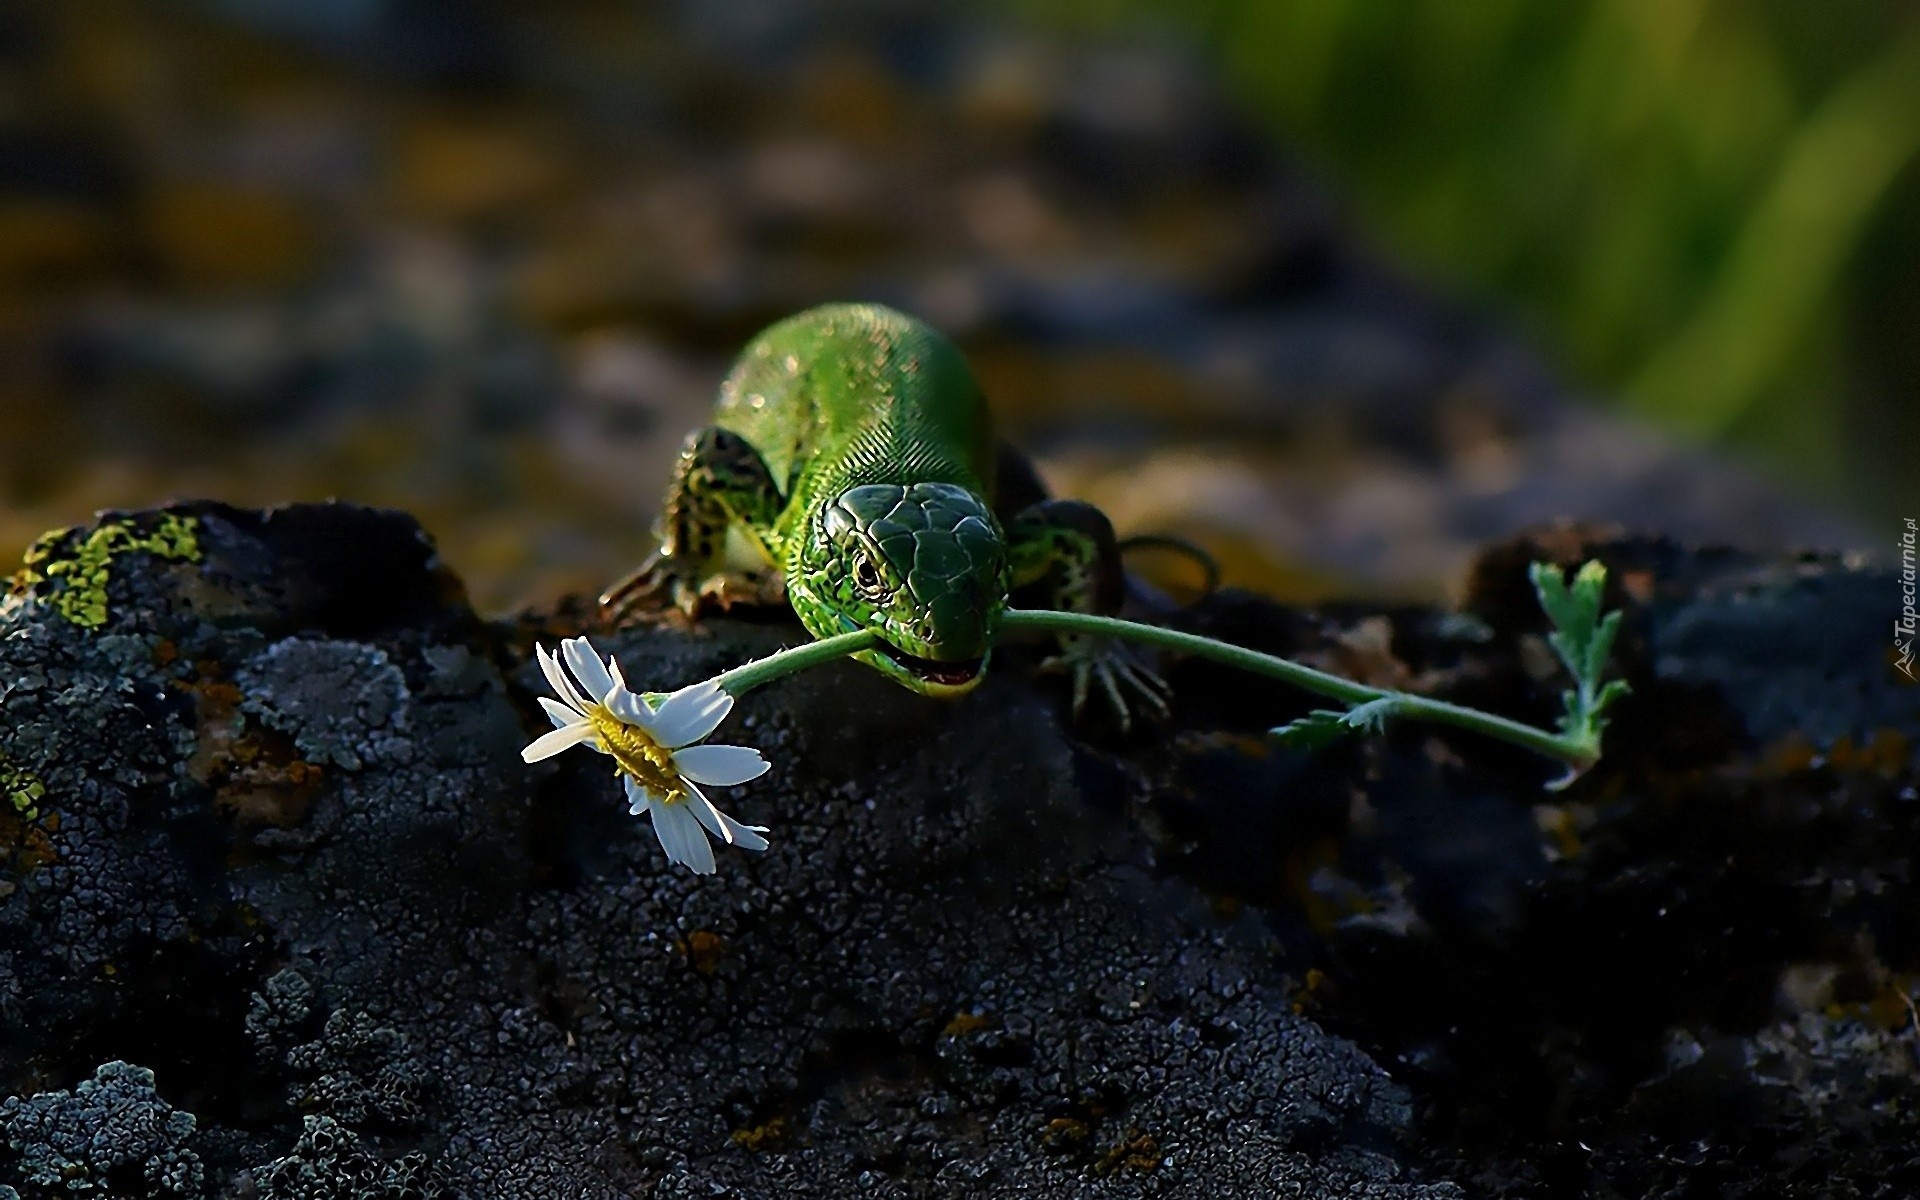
(557, 679)
(724, 827)
(747, 837)
(707, 814)
(560, 714)
(629, 707)
(681, 837)
(690, 714)
(554, 741)
(587, 667)
(720, 766)
(637, 796)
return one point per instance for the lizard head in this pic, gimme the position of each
(923, 565)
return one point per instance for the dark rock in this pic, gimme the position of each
(269, 836)
(958, 967)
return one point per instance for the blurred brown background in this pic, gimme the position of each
(487, 262)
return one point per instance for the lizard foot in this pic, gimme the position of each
(662, 582)
(1120, 671)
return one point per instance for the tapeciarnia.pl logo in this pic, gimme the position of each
(1903, 625)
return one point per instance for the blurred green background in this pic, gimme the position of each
(1709, 209)
(1344, 289)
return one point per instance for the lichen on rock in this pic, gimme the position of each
(112, 1136)
(70, 570)
(22, 789)
(342, 702)
(330, 1162)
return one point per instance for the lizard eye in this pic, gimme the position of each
(866, 574)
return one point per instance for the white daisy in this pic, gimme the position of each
(653, 749)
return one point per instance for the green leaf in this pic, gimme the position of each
(1317, 730)
(1323, 726)
(1613, 690)
(1551, 586)
(1598, 647)
(1372, 716)
(1590, 584)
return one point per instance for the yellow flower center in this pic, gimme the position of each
(636, 753)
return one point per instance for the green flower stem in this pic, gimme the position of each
(1579, 753)
(741, 680)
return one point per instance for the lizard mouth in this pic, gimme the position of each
(957, 673)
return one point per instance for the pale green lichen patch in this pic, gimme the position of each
(75, 569)
(23, 790)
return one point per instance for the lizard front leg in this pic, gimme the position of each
(1069, 546)
(719, 484)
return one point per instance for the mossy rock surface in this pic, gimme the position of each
(285, 856)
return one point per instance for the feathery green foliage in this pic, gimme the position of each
(1324, 726)
(1583, 639)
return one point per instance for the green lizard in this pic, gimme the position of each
(852, 462)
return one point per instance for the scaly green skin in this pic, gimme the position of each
(852, 448)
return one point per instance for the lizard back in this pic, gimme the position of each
(847, 394)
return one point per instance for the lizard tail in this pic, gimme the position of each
(1209, 566)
